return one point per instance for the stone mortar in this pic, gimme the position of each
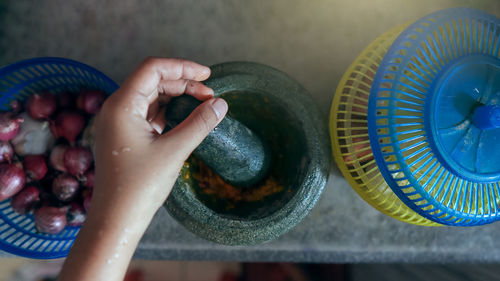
(281, 112)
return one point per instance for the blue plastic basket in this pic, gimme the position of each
(434, 117)
(17, 81)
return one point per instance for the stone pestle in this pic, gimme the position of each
(232, 150)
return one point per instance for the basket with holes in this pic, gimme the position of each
(18, 234)
(415, 121)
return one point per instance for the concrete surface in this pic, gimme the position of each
(313, 41)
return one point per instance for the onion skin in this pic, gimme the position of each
(35, 167)
(88, 136)
(77, 160)
(9, 125)
(12, 180)
(91, 101)
(6, 151)
(68, 124)
(25, 200)
(34, 137)
(65, 187)
(76, 214)
(57, 157)
(50, 220)
(88, 179)
(41, 106)
(87, 199)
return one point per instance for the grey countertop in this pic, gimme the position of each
(313, 41)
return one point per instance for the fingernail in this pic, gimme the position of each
(206, 72)
(219, 106)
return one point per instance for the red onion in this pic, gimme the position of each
(65, 187)
(9, 126)
(91, 101)
(25, 200)
(57, 157)
(68, 124)
(66, 100)
(41, 106)
(76, 214)
(35, 167)
(87, 198)
(16, 106)
(77, 160)
(12, 180)
(88, 135)
(54, 129)
(6, 151)
(50, 220)
(88, 179)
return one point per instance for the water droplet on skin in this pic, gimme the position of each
(109, 261)
(126, 149)
(116, 255)
(115, 153)
(126, 230)
(124, 241)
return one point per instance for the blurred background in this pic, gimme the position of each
(313, 41)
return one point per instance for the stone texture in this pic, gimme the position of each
(283, 114)
(232, 150)
(312, 41)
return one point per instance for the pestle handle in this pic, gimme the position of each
(232, 150)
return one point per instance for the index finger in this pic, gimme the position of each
(145, 79)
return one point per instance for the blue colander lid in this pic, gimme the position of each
(434, 116)
(465, 117)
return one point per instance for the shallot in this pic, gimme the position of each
(50, 220)
(25, 200)
(35, 167)
(87, 198)
(12, 180)
(6, 151)
(91, 101)
(88, 136)
(65, 187)
(60, 178)
(77, 160)
(76, 214)
(88, 179)
(68, 124)
(41, 106)
(57, 157)
(9, 125)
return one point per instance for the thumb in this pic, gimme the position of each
(186, 136)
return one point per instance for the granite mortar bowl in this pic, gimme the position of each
(284, 116)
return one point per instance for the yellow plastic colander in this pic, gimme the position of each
(349, 133)
(415, 120)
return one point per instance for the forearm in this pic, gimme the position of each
(107, 241)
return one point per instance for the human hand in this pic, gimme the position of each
(133, 161)
(136, 166)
